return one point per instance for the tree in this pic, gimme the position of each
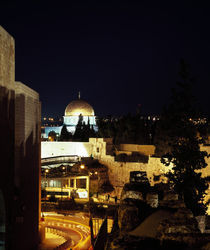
(83, 131)
(78, 134)
(52, 136)
(180, 144)
(65, 134)
(126, 129)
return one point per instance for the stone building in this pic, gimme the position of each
(20, 155)
(71, 117)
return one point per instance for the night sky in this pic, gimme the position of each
(117, 55)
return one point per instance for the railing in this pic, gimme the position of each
(100, 241)
(101, 228)
(97, 222)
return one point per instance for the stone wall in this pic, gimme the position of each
(7, 109)
(142, 149)
(119, 172)
(27, 161)
(20, 153)
(7, 59)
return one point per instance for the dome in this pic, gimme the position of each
(78, 107)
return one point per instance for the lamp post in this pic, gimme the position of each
(82, 167)
(46, 171)
(63, 168)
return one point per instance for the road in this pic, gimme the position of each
(76, 226)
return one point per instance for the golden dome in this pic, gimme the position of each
(78, 107)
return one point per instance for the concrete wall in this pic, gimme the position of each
(50, 149)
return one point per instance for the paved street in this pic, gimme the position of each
(76, 226)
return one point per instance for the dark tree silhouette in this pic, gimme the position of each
(52, 135)
(126, 129)
(65, 134)
(83, 131)
(179, 144)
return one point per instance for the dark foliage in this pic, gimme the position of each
(65, 134)
(83, 131)
(134, 157)
(179, 144)
(106, 187)
(52, 135)
(127, 129)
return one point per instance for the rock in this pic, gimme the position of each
(171, 196)
(152, 199)
(128, 217)
(131, 195)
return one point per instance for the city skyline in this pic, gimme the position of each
(117, 55)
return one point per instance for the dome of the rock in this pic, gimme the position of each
(77, 107)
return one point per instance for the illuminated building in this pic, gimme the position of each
(78, 179)
(71, 117)
(66, 186)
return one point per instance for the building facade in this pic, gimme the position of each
(20, 155)
(72, 114)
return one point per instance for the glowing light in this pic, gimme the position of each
(82, 166)
(82, 194)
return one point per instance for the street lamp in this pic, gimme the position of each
(82, 166)
(46, 171)
(64, 168)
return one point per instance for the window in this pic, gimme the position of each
(81, 183)
(156, 177)
(97, 149)
(65, 183)
(72, 183)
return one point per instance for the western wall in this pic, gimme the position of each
(119, 171)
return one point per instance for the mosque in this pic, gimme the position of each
(71, 117)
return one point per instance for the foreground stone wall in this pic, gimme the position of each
(7, 59)
(20, 154)
(27, 162)
(7, 114)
